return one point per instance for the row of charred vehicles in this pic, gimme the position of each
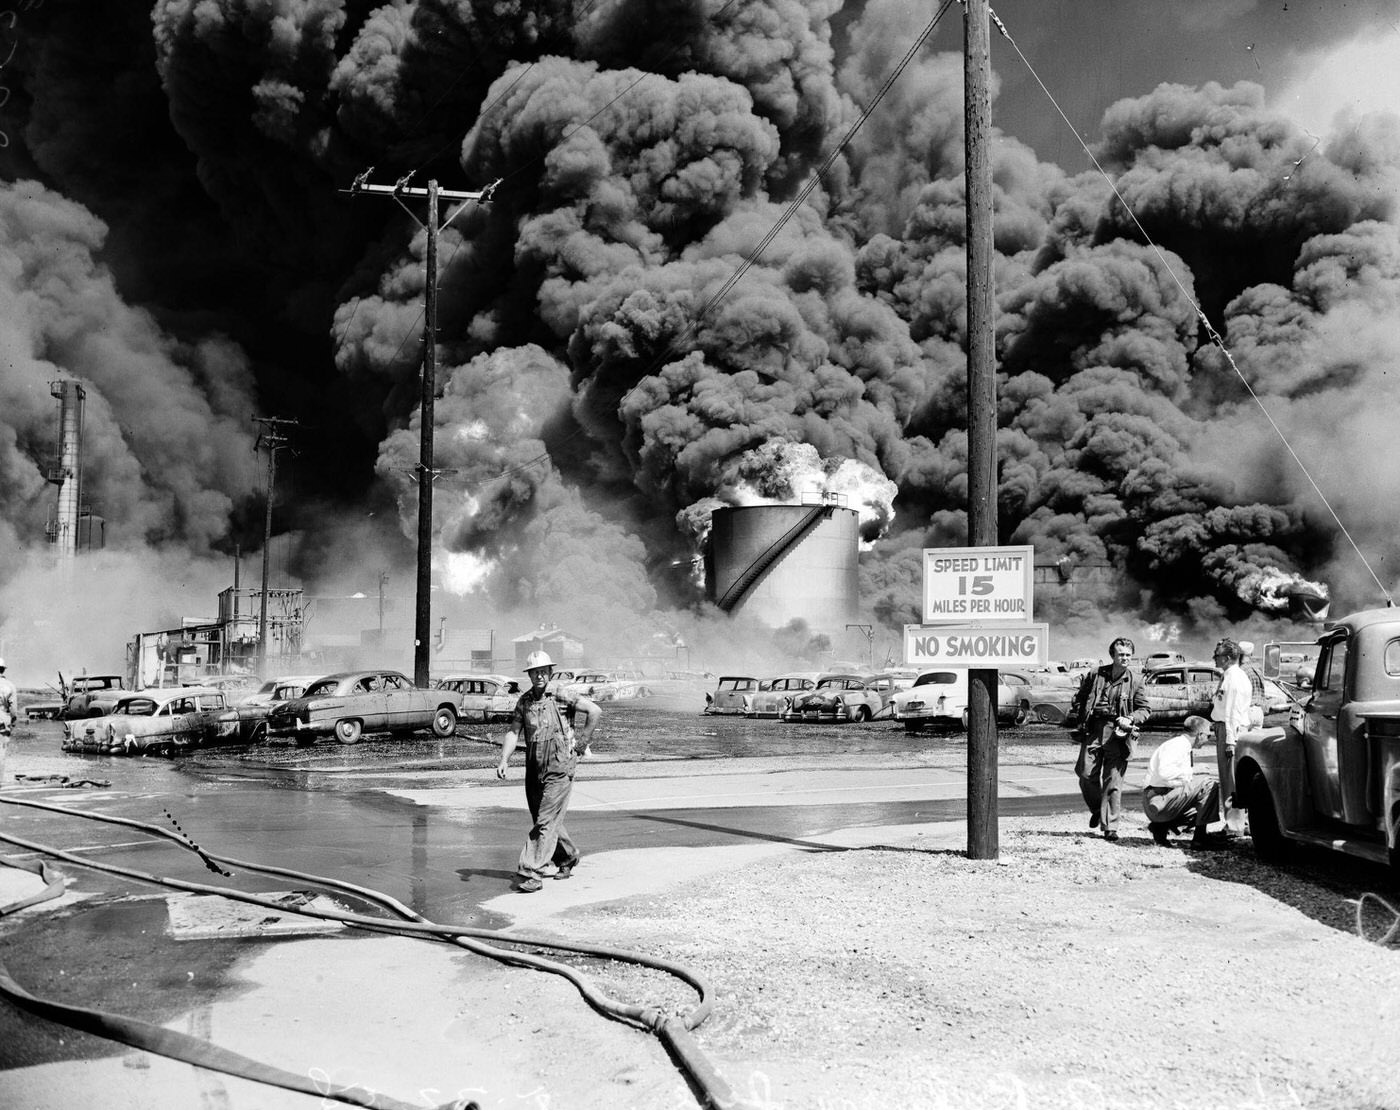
(302, 708)
(937, 698)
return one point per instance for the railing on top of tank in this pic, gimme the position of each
(823, 497)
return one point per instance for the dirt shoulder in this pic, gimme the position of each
(891, 971)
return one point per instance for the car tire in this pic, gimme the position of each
(445, 721)
(862, 714)
(349, 730)
(1022, 715)
(1048, 714)
(259, 733)
(1270, 845)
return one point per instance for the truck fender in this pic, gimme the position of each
(1276, 755)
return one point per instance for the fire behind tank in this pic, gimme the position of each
(1307, 602)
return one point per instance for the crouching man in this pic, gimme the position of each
(1174, 796)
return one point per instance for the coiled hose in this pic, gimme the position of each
(674, 1032)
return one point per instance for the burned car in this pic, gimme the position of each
(774, 695)
(349, 704)
(165, 721)
(1177, 691)
(608, 685)
(253, 707)
(485, 697)
(836, 697)
(732, 694)
(90, 695)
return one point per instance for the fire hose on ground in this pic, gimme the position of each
(673, 1031)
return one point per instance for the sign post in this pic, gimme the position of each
(978, 603)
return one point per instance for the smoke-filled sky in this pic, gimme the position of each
(175, 234)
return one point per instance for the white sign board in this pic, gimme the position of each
(965, 585)
(980, 646)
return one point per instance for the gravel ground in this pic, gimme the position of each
(1068, 973)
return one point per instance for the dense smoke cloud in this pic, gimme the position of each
(167, 446)
(604, 381)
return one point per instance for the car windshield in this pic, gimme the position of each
(936, 678)
(320, 689)
(137, 707)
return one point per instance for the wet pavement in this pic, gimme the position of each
(426, 822)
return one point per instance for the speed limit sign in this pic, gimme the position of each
(965, 585)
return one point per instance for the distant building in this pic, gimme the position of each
(463, 649)
(1066, 575)
(566, 650)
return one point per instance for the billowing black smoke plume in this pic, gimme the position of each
(176, 237)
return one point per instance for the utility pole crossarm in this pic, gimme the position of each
(397, 191)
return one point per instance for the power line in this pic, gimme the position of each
(1211, 332)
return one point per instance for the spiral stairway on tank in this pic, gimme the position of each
(745, 582)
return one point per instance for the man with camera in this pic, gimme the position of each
(1108, 709)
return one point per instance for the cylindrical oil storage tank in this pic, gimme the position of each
(780, 562)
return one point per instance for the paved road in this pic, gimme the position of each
(426, 822)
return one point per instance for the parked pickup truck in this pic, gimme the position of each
(1331, 776)
(91, 695)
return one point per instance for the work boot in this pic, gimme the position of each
(566, 869)
(1093, 820)
(529, 885)
(1110, 834)
(1159, 833)
(1200, 843)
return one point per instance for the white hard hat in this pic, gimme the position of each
(537, 659)
(1246, 647)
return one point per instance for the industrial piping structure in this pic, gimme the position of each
(66, 473)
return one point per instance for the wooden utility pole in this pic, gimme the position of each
(425, 474)
(423, 609)
(274, 441)
(981, 414)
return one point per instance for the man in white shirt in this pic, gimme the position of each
(1230, 712)
(9, 710)
(1173, 794)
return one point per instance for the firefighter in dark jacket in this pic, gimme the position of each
(1107, 711)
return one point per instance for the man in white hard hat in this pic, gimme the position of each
(552, 749)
